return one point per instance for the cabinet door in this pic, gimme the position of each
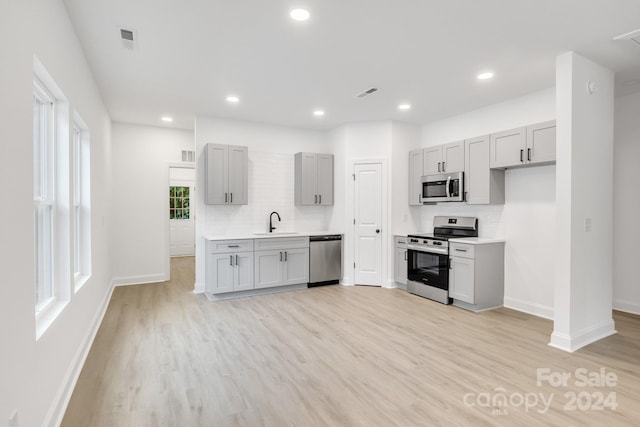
(462, 279)
(453, 157)
(432, 160)
(243, 279)
(508, 148)
(309, 179)
(401, 265)
(415, 175)
(476, 171)
(216, 174)
(541, 142)
(268, 268)
(220, 273)
(296, 266)
(238, 175)
(325, 179)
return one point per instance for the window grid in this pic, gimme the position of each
(179, 202)
(77, 203)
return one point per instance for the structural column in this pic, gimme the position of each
(584, 202)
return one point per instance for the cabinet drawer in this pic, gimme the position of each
(462, 250)
(400, 241)
(223, 246)
(282, 243)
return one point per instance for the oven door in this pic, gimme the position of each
(428, 268)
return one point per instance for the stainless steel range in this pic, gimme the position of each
(428, 260)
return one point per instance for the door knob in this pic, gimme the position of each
(378, 231)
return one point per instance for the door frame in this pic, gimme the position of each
(167, 183)
(386, 226)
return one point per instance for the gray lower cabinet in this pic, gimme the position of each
(281, 262)
(476, 276)
(226, 175)
(313, 179)
(228, 271)
(400, 261)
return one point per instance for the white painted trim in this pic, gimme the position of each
(63, 396)
(140, 280)
(627, 307)
(390, 284)
(167, 236)
(529, 308)
(199, 288)
(582, 338)
(255, 292)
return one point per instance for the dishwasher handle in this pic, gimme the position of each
(326, 238)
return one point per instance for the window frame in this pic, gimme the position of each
(79, 171)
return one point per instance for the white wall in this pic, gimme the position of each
(271, 182)
(141, 159)
(36, 377)
(527, 219)
(626, 204)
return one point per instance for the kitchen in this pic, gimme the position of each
(132, 150)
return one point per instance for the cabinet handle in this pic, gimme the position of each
(231, 260)
(461, 250)
(529, 154)
(315, 201)
(280, 256)
(233, 246)
(236, 259)
(225, 198)
(521, 152)
(285, 255)
(420, 198)
(320, 199)
(405, 255)
(231, 197)
(443, 169)
(439, 167)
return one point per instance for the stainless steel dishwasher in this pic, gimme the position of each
(325, 259)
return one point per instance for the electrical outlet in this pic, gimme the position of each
(587, 225)
(13, 419)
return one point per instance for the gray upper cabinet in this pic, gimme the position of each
(483, 186)
(524, 146)
(226, 174)
(313, 179)
(415, 177)
(444, 158)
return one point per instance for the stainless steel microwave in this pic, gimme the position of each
(446, 187)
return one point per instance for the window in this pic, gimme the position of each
(80, 203)
(179, 203)
(43, 193)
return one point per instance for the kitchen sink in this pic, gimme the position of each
(276, 233)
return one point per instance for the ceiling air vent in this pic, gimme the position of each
(367, 92)
(634, 36)
(129, 39)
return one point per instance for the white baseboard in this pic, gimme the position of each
(625, 306)
(571, 343)
(199, 288)
(530, 308)
(139, 280)
(59, 406)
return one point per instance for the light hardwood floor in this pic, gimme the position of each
(336, 356)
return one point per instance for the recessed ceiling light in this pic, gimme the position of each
(167, 119)
(300, 14)
(233, 99)
(318, 113)
(485, 76)
(404, 107)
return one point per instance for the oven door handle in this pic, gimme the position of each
(448, 187)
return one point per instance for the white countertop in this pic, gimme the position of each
(476, 240)
(265, 235)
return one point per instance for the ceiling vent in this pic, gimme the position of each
(129, 38)
(367, 92)
(634, 36)
(188, 156)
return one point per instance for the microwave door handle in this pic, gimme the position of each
(448, 186)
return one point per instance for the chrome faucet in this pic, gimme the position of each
(271, 227)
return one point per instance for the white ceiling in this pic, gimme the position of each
(193, 53)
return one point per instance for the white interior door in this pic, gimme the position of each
(368, 224)
(181, 212)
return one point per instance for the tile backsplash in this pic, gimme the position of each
(271, 188)
(490, 218)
